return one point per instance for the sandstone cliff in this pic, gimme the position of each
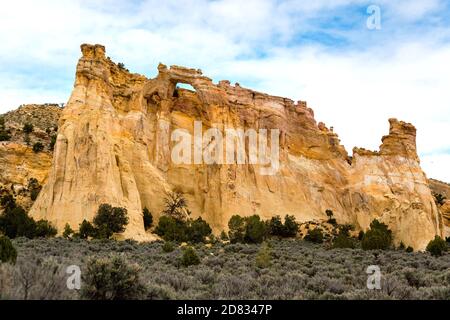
(112, 148)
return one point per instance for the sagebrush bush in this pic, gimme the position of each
(189, 257)
(298, 270)
(112, 278)
(168, 246)
(8, 254)
(264, 256)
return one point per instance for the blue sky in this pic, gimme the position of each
(319, 51)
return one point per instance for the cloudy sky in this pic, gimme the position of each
(354, 77)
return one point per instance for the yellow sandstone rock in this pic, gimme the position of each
(111, 148)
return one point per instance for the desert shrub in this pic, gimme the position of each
(35, 278)
(67, 231)
(414, 278)
(360, 235)
(314, 235)
(437, 246)
(264, 256)
(189, 257)
(38, 147)
(52, 143)
(171, 229)
(34, 187)
(121, 66)
(28, 128)
(298, 271)
(291, 226)
(237, 229)
(4, 134)
(168, 247)
(110, 220)
(332, 221)
(277, 228)
(255, 229)
(439, 199)
(112, 278)
(249, 229)
(148, 219)
(7, 251)
(16, 223)
(44, 229)
(198, 230)
(378, 237)
(8, 202)
(86, 230)
(343, 241)
(224, 236)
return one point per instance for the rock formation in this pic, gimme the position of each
(114, 146)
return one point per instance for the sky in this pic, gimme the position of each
(356, 71)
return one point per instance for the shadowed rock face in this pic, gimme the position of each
(114, 147)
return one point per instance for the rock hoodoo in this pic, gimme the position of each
(113, 146)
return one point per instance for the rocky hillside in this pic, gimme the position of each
(441, 191)
(115, 146)
(24, 170)
(440, 187)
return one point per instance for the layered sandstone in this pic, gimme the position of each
(114, 147)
